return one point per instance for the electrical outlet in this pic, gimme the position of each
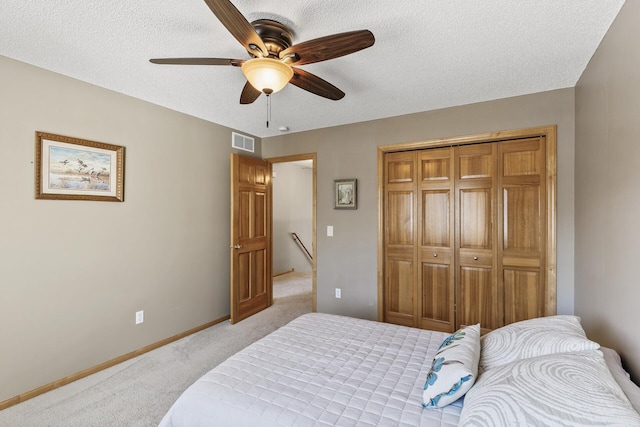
(139, 317)
(338, 293)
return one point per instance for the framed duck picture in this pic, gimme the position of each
(69, 168)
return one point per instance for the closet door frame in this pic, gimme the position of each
(548, 132)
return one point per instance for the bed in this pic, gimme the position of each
(329, 370)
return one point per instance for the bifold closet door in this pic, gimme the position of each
(478, 294)
(419, 271)
(436, 272)
(400, 237)
(465, 235)
(523, 235)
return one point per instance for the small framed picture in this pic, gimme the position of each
(345, 191)
(77, 169)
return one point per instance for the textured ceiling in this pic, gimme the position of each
(428, 54)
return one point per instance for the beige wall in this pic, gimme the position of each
(72, 274)
(349, 259)
(608, 190)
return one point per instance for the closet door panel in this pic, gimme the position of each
(435, 294)
(476, 225)
(476, 161)
(400, 235)
(522, 236)
(436, 211)
(436, 305)
(524, 297)
(400, 218)
(478, 299)
(400, 292)
(400, 280)
(522, 222)
(400, 168)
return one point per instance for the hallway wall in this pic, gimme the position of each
(292, 212)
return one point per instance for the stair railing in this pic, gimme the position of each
(295, 237)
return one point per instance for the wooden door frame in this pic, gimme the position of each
(314, 158)
(549, 132)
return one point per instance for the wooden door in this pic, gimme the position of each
(251, 287)
(523, 235)
(478, 297)
(400, 238)
(436, 238)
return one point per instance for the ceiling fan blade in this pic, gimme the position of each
(249, 94)
(328, 47)
(316, 85)
(198, 61)
(238, 26)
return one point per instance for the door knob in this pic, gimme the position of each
(236, 247)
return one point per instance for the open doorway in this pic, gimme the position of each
(293, 226)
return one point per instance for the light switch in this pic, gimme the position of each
(329, 230)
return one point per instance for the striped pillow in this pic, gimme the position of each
(568, 389)
(532, 338)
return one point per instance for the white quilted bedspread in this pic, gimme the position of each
(320, 370)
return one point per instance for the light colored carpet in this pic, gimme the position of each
(140, 391)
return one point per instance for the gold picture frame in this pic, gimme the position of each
(69, 168)
(345, 194)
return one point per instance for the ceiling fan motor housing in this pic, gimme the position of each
(276, 36)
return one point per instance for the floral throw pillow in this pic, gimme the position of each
(454, 368)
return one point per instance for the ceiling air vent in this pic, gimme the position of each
(241, 142)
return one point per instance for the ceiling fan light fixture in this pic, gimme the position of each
(266, 74)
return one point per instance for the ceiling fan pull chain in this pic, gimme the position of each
(268, 110)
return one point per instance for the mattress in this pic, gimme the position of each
(320, 370)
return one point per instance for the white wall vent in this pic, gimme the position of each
(241, 142)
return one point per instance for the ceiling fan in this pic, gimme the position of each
(269, 43)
